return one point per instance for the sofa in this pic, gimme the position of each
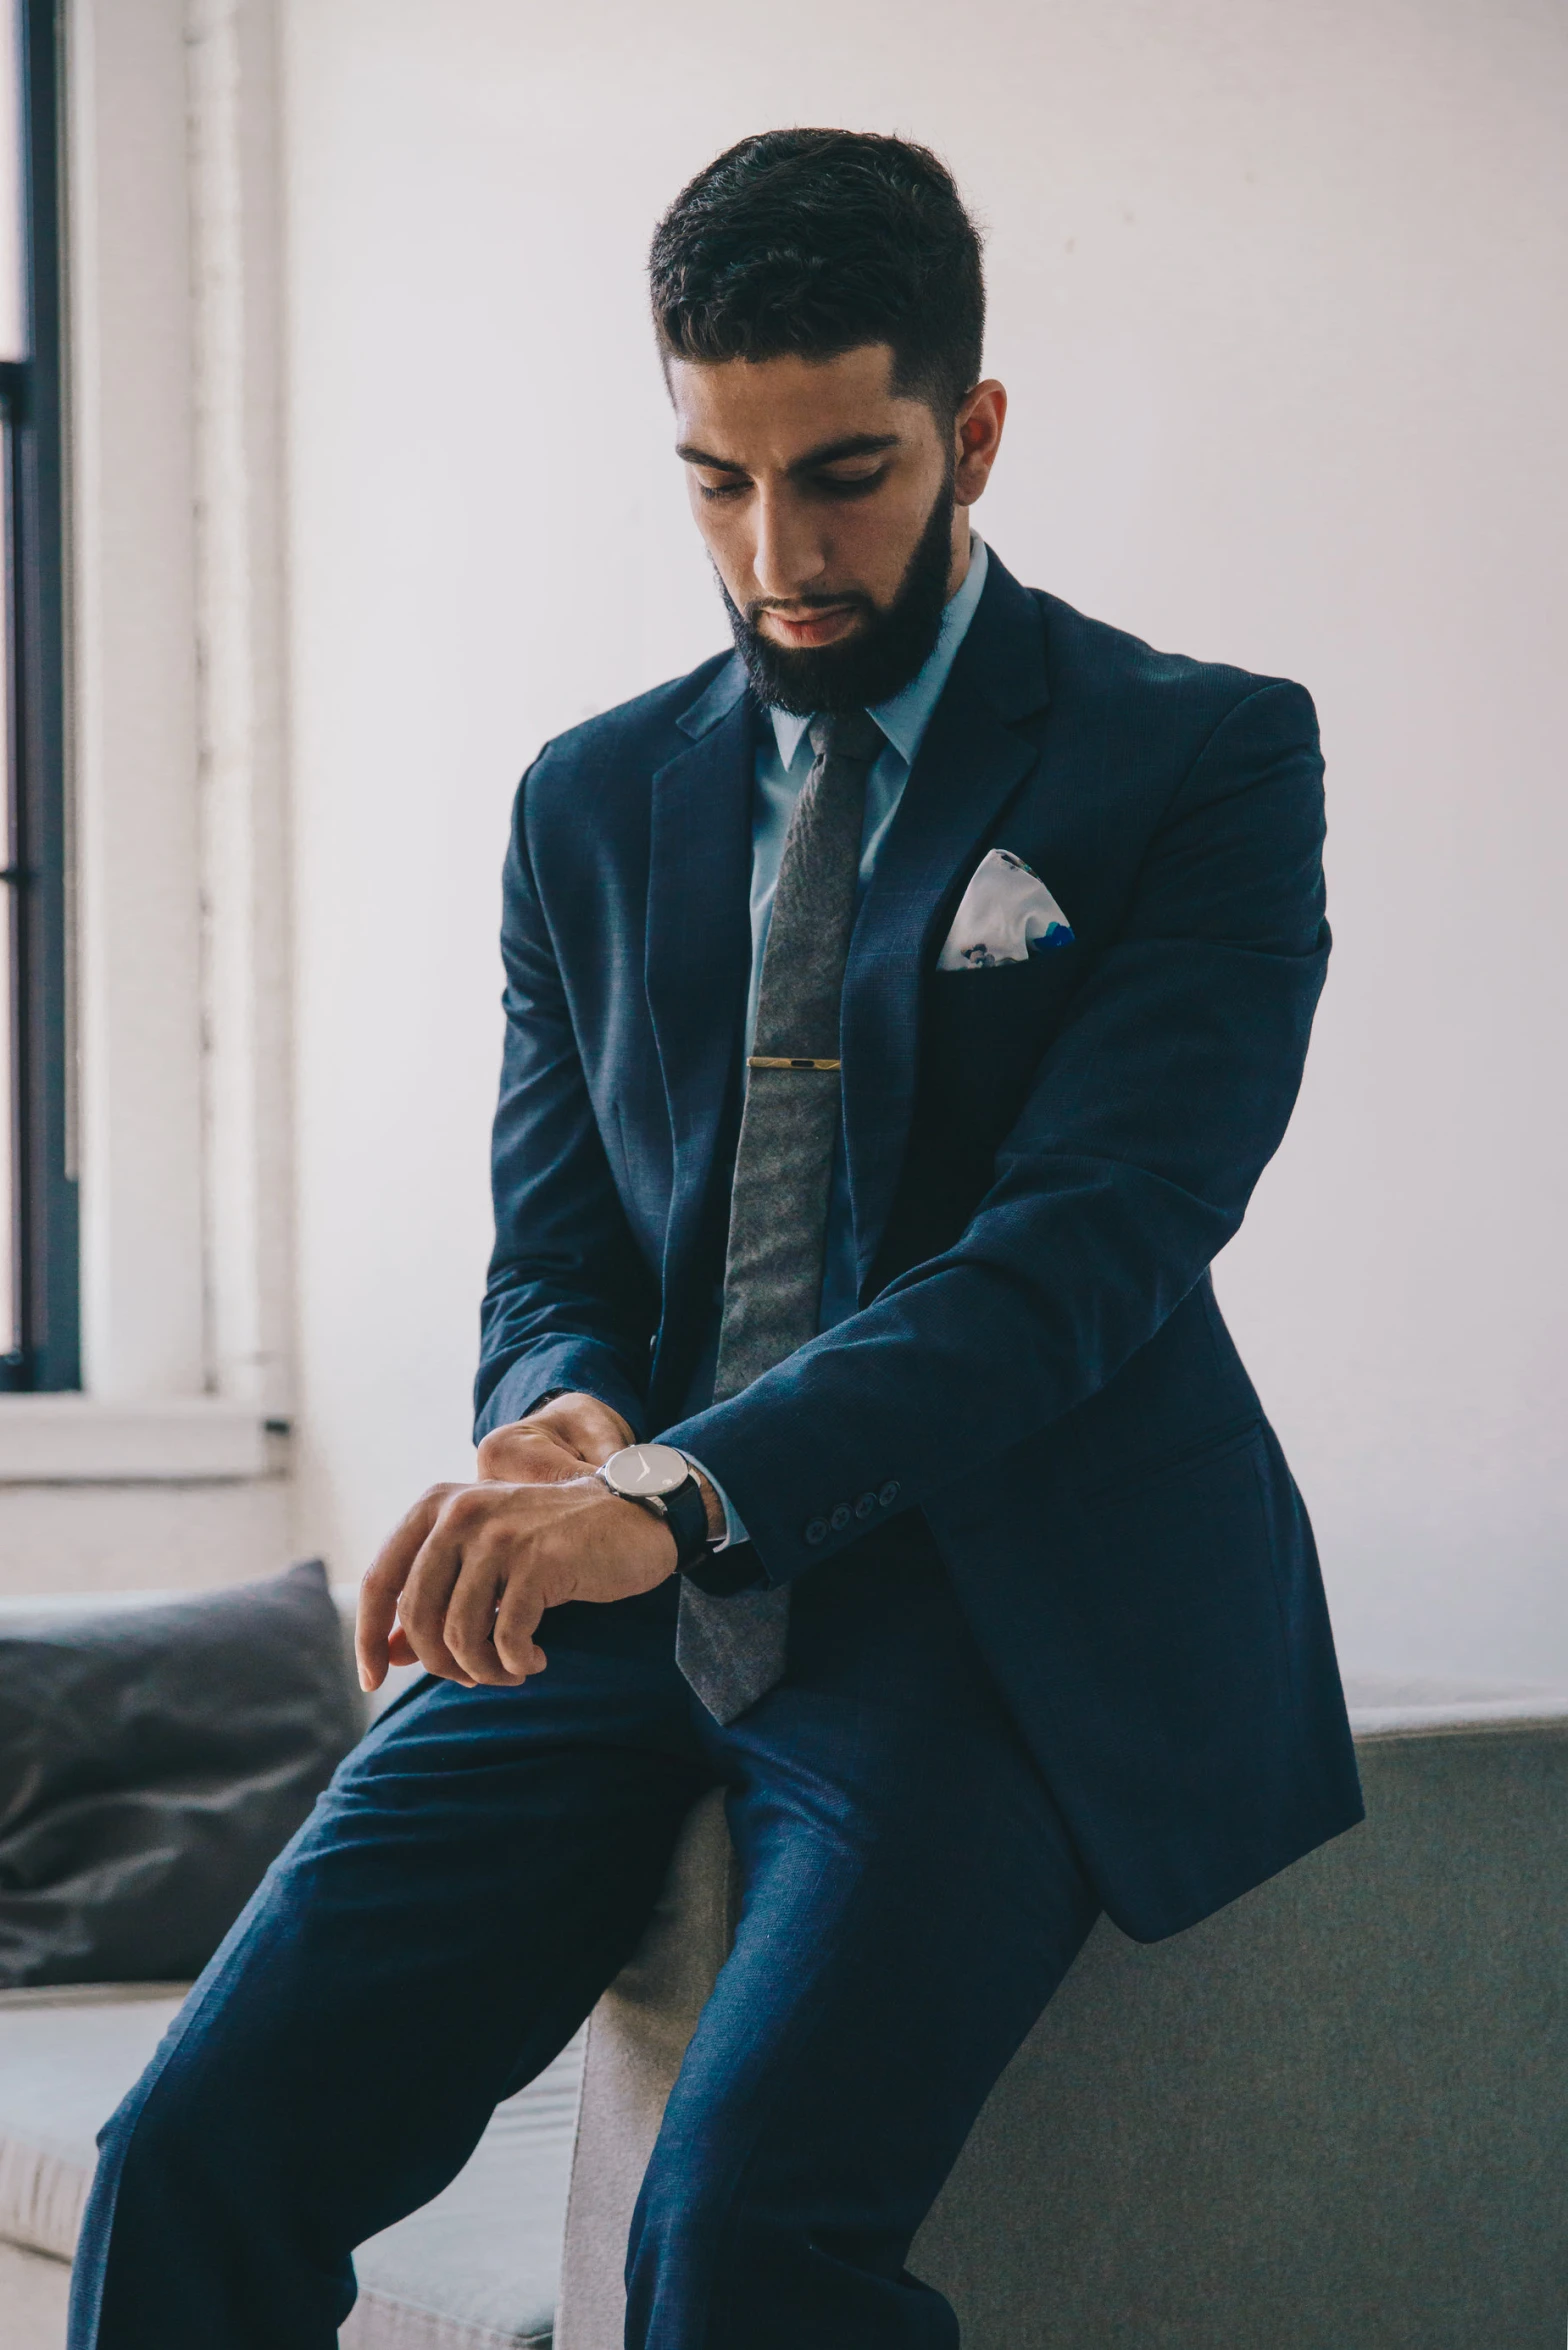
(1332, 2116)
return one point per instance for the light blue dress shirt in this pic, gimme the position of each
(783, 763)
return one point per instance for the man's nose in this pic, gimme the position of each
(789, 559)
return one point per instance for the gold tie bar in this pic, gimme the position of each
(770, 1061)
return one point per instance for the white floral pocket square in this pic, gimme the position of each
(1006, 915)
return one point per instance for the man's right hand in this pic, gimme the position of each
(553, 1443)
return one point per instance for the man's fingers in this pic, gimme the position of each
(422, 1608)
(470, 1618)
(541, 1459)
(517, 1620)
(581, 1427)
(596, 1431)
(610, 1437)
(382, 1584)
(528, 1455)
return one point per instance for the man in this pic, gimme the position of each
(899, 1013)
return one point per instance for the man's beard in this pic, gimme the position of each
(882, 656)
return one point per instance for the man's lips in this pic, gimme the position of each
(822, 625)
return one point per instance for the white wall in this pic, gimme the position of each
(1276, 287)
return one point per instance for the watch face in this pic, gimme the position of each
(647, 1469)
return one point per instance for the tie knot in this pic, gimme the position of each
(846, 734)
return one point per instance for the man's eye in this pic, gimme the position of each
(852, 485)
(723, 489)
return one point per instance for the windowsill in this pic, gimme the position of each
(79, 1439)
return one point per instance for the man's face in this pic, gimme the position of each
(833, 510)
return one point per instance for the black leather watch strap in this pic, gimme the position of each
(687, 1516)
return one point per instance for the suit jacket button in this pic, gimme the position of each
(865, 1505)
(889, 1493)
(817, 1531)
(840, 1518)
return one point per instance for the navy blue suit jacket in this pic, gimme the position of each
(1043, 1158)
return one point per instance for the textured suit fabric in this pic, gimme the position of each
(732, 1649)
(1043, 1160)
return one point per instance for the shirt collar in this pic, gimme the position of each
(905, 716)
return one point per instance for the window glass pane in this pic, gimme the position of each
(10, 1238)
(13, 274)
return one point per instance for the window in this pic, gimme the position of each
(38, 1261)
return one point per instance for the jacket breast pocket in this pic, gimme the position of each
(986, 1033)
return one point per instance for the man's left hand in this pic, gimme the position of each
(461, 1585)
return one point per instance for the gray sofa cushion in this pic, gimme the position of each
(476, 2269)
(152, 1762)
(67, 2057)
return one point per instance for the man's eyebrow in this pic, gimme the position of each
(691, 456)
(855, 444)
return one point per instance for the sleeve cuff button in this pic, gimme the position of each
(865, 1505)
(889, 1493)
(817, 1530)
(840, 1517)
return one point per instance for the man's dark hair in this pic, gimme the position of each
(817, 242)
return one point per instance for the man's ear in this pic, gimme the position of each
(977, 435)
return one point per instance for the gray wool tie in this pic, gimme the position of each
(732, 1649)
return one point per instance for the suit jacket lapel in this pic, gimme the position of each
(969, 765)
(698, 945)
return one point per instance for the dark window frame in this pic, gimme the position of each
(46, 1228)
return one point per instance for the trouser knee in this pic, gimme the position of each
(684, 2229)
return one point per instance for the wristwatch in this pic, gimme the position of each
(659, 1480)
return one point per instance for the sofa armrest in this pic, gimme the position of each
(636, 2041)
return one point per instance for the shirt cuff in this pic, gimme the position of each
(734, 1531)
